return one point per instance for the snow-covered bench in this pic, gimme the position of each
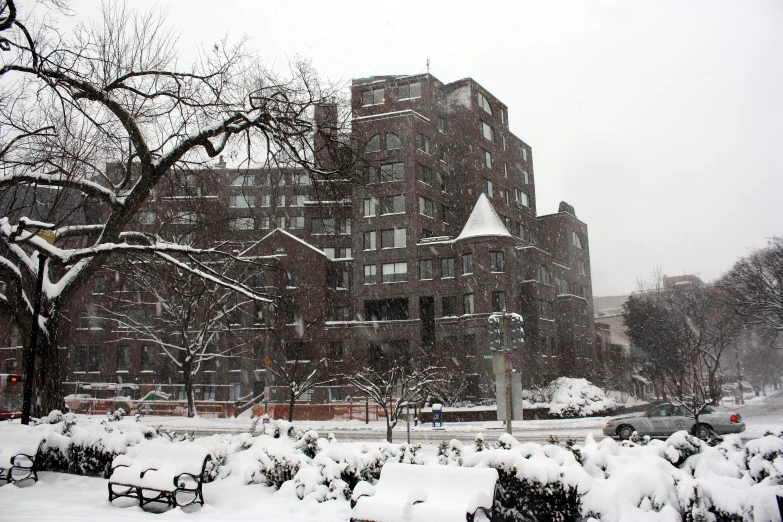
(426, 494)
(19, 455)
(172, 473)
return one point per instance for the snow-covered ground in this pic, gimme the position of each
(67, 498)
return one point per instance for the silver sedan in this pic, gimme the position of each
(665, 419)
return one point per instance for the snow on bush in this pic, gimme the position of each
(568, 398)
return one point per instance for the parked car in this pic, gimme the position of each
(665, 419)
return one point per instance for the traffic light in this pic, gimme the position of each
(14, 377)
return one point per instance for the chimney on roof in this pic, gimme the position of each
(221, 164)
(565, 207)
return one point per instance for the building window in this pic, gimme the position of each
(422, 143)
(546, 310)
(426, 207)
(263, 222)
(483, 103)
(520, 230)
(544, 346)
(280, 201)
(393, 205)
(147, 358)
(394, 238)
(345, 227)
(522, 198)
(425, 174)
(370, 274)
(344, 253)
(447, 267)
(336, 350)
(442, 124)
(496, 261)
(266, 201)
(467, 264)
(370, 207)
(395, 272)
(524, 155)
(392, 172)
(468, 304)
(372, 97)
(291, 314)
(408, 91)
(582, 267)
(506, 196)
(525, 177)
(329, 252)
(373, 144)
(98, 285)
(296, 222)
(425, 269)
(505, 169)
(243, 223)
(242, 201)
(393, 142)
(301, 180)
(80, 359)
(94, 359)
(280, 222)
(487, 132)
(577, 240)
(445, 212)
(145, 218)
(425, 233)
(292, 278)
(449, 303)
(323, 226)
(504, 141)
(498, 301)
(471, 346)
(488, 188)
(544, 276)
(369, 240)
(123, 358)
(562, 286)
(386, 310)
(298, 200)
(245, 180)
(340, 313)
(486, 158)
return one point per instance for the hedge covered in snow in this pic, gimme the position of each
(567, 398)
(681, 478)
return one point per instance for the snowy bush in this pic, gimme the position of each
(570, 398)
(450, 453)
(764, 459)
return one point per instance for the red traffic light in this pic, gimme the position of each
(14, 377)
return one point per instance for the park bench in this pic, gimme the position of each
(167, 473)
(20, 454)
(426, 494)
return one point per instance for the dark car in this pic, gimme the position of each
(666, 419)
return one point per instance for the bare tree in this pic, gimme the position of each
(393, 387)
(754, 286)
(189, 319)
(113, 92)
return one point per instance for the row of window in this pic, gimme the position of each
(270, 180)
(561, 285)
(377, 95)
(519, 196)
(390, 238)
(398, 271)
(549, 348)
(266, 200)
(389, 172)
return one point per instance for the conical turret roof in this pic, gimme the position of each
(483, 221)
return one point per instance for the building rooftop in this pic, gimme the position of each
(483, 221)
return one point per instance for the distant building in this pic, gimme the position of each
(442, 232)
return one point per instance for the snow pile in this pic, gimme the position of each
(568, 398)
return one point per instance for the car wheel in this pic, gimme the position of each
(702, 431)
(625, 432)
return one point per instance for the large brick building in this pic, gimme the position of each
(442, 232)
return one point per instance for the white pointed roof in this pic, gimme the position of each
(483, 221)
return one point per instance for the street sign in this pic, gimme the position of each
(487, 356)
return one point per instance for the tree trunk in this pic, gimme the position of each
(48, 383)
(291, 407)
(190, 396)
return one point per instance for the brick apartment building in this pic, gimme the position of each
(442, 232)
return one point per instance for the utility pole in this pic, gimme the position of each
(740, 395)
(507, 355)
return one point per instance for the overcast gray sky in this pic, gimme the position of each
(661, 121)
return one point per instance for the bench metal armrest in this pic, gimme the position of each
(198, 479)
(141, 475)
(29, 457)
